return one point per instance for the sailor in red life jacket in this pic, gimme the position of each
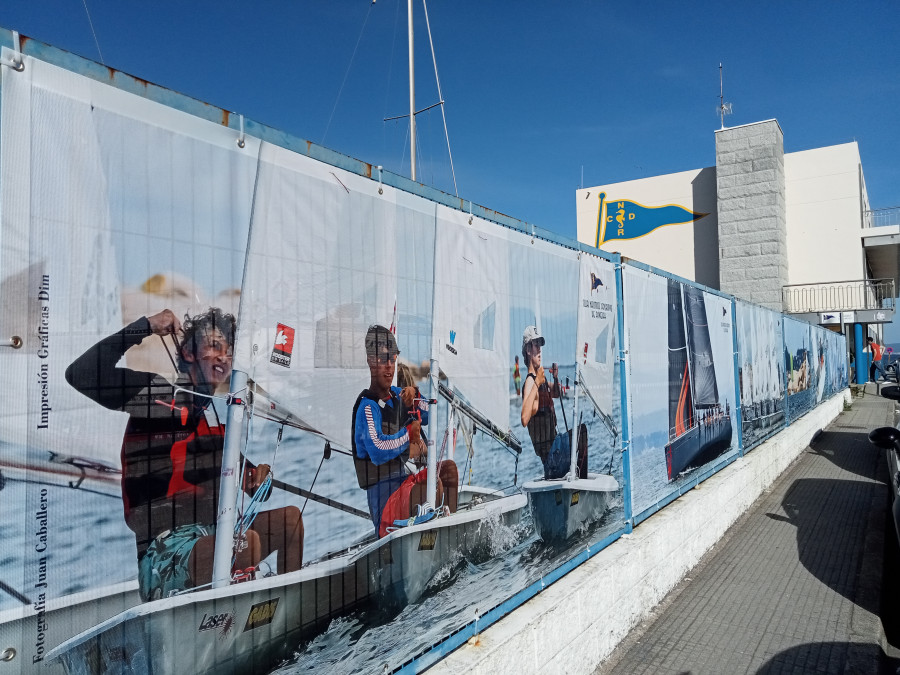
(172, 454)
(387, 424)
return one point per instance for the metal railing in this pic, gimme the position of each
(838, 296)
(882, 217)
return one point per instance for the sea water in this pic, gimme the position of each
(92, 547)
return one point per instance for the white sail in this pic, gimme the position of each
(597, 330)
(59, 285)
(471, 338)
(326, 254)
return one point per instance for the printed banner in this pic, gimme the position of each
(802, 366)
(760, 372)
(680, 383)
(115, 209)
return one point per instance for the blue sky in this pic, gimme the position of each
(535, 93)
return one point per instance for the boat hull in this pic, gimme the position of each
(697, 446)
(561, 508)
(400, 565)
(246, 628)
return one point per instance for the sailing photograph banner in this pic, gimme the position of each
(680, 383)
(835, 363)
(760, 372)
(122, 219)
(801, 365)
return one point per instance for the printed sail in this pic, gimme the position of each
(471, 339)
(597, 336)
(322, 267)
(681, 406)
(703, 370)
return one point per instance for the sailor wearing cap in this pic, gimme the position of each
(539, 413)
(387, 423)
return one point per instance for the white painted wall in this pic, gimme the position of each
(688, 250)
(824, 214)
(824, 190)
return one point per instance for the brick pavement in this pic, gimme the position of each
(794, 586)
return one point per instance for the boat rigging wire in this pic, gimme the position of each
(440, 97)
(347, 73)
(13, 592)
(96, 41)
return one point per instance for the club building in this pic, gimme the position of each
(793, 232)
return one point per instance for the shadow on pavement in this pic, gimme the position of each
(848, 450)
(828, 657)
(832, 518)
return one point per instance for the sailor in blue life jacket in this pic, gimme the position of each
(539, 413)
(387, 422)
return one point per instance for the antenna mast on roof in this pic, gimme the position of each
(724, 108)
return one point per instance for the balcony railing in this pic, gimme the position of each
(882, 217)
(839, 296)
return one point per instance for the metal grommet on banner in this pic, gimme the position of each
(470, 212)
(17, 63)
(14, 341)
(380, 186)
(240, 141)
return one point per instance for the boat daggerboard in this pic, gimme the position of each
(597, 331)
(471, 339)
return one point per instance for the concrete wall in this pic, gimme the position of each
(824, 195)
(574, 624)
(750, 189)
(689, 249)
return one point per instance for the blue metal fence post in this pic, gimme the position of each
(787, 375)
(738, 417)
(859, 356)
(623, 390)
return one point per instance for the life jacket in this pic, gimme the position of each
(542, 425)
(393, 418)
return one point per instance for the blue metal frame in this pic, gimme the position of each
(787, 399)
(738, 407)
(701, 476)
(668, 275)
(862, 374)
(623, 395)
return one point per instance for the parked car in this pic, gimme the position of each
(888, 439)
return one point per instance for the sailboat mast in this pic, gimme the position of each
(228, 484)
(412, 95)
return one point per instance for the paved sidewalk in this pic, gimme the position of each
(795, 584)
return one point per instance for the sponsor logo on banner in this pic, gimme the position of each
(596, 282)
(449, 345)
(625, 219)
(427, 540)
(219, 622)
(284, 345)
(261, 614)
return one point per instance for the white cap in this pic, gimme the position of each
(530, 335)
